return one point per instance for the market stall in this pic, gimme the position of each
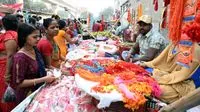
(90, 75)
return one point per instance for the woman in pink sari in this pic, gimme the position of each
(8, 47)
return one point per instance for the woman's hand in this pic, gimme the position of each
(49, 78)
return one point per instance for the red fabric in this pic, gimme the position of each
(96, 27)
(156, 5)
(129, 16)
(192, 31)
(154, 1)
(45, 47)
(102, 23)
(17, 6)
(9, 35)
(175, 21)
(101, 27)
(166, 2)
(4, 107)
(71, 33)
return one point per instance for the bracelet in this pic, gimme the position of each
(34, 82)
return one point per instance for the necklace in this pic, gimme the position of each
(29, 51)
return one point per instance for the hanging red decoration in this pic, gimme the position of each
(129, 15)
(175, 22)
(156, 5)
(193, 31)
(166, 2)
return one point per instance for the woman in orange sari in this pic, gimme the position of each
(61, 38)
(8, 47)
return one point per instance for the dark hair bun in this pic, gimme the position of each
(62, 24)
(47, 22)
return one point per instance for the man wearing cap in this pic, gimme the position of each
(149, 43)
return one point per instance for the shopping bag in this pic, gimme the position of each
(9, 95)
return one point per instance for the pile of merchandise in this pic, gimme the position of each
(60, 96)
(132, 81)
(104, 35)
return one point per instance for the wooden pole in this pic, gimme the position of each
(185, 103)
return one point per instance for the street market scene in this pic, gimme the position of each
(99, 55)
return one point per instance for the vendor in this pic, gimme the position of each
(173, 79)
(180, 83)
(149, 43)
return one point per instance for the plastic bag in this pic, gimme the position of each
(9, 95)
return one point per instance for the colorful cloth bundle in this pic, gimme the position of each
(63, 95)
(132, 81)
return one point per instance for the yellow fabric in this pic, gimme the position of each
(139, 10)
(173, 78)
(60, 40)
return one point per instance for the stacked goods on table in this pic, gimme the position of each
(62, 95)
(104, 35)
(127, 44)
(128, 79)
(93, 49)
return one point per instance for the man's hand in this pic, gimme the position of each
(128, 58)
(142, 64)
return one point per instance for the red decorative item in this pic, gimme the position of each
(129, 15)
(155, 2)
(125, 66)
(175, 21)
(193, 30)
(166, 2)
(156, 6)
